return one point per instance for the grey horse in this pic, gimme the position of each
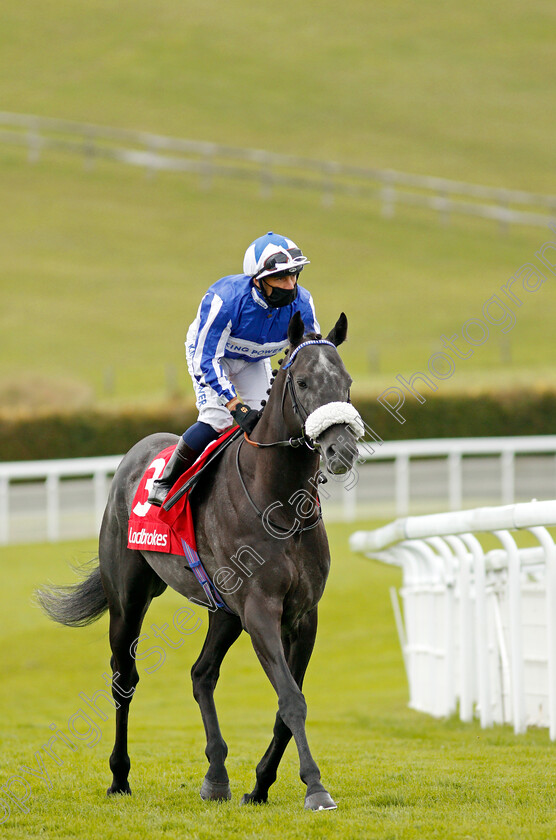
(257, 504)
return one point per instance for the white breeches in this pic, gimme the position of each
(251, 381)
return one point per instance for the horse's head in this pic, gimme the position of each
(318, 386)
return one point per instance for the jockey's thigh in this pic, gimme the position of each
(209, 405)
(251, 380)
(211, 410)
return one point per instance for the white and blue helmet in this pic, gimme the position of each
(273, 254)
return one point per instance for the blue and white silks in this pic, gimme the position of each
(235, 322)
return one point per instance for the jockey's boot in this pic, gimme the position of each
(181, 459)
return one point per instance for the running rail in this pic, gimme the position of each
(478, 630)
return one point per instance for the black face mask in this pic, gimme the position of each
(280, 297)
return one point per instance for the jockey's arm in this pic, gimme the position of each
(213, 330)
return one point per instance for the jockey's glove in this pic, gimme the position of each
(245, 417)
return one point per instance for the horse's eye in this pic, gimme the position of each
(301, 383)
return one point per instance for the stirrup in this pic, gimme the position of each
(159, 492)
(181, 459)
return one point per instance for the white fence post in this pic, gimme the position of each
(53, 507)
(502, 612)
(100, 495)
(402, 484)
(516, 642)
(508, 478)
(454, 480)
(549, 547)
(467, 652)
(441, 547)
(349, 503)
(4, 510)
(481, 628)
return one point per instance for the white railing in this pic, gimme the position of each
(391, 468)
(454, 451)
(154, 152)
(52, 473)
(480, 626)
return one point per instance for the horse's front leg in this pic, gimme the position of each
(262, 621)
(299, 648)
(223, 631)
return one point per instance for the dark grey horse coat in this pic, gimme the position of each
(261, 538)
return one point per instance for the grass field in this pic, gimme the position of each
(394, 773)
(460, 90)
(102, 271)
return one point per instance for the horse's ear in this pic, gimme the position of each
(296, 330)
(338, 332)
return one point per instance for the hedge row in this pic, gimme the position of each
(523, 412)
(83, 434)
(89, 433)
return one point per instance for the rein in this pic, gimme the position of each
(260, 513)
(293, 442)
(302, 440)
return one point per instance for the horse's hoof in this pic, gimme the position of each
(126, 790)
(251, 799)
(321, 801)
(215, 791)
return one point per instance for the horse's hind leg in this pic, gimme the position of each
(130, 589)
(298, 649)
(223, 631)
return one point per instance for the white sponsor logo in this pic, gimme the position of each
(253, 350)
(144, 537)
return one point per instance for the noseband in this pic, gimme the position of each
(303, 439)
(320, 419)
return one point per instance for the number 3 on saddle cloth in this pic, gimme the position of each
(172, 531)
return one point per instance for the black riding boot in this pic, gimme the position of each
(182, 458)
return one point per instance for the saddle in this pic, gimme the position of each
(170, 528)
(187, 482)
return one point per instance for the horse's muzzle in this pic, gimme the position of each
(338, 447)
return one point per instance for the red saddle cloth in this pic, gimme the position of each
(152, 527)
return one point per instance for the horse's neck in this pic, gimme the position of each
(284, 468)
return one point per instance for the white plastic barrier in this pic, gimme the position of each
(479, 625)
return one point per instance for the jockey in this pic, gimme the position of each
(242, 321)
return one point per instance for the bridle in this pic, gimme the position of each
(261, 514)
(302, 440)
(297, 406)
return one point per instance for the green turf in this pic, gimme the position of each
(103, 271)
(441, 87)
(393, 772)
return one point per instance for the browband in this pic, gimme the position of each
(306, 344)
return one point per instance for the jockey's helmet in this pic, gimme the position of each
(273, 254)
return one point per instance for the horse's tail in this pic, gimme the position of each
(77, 605)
